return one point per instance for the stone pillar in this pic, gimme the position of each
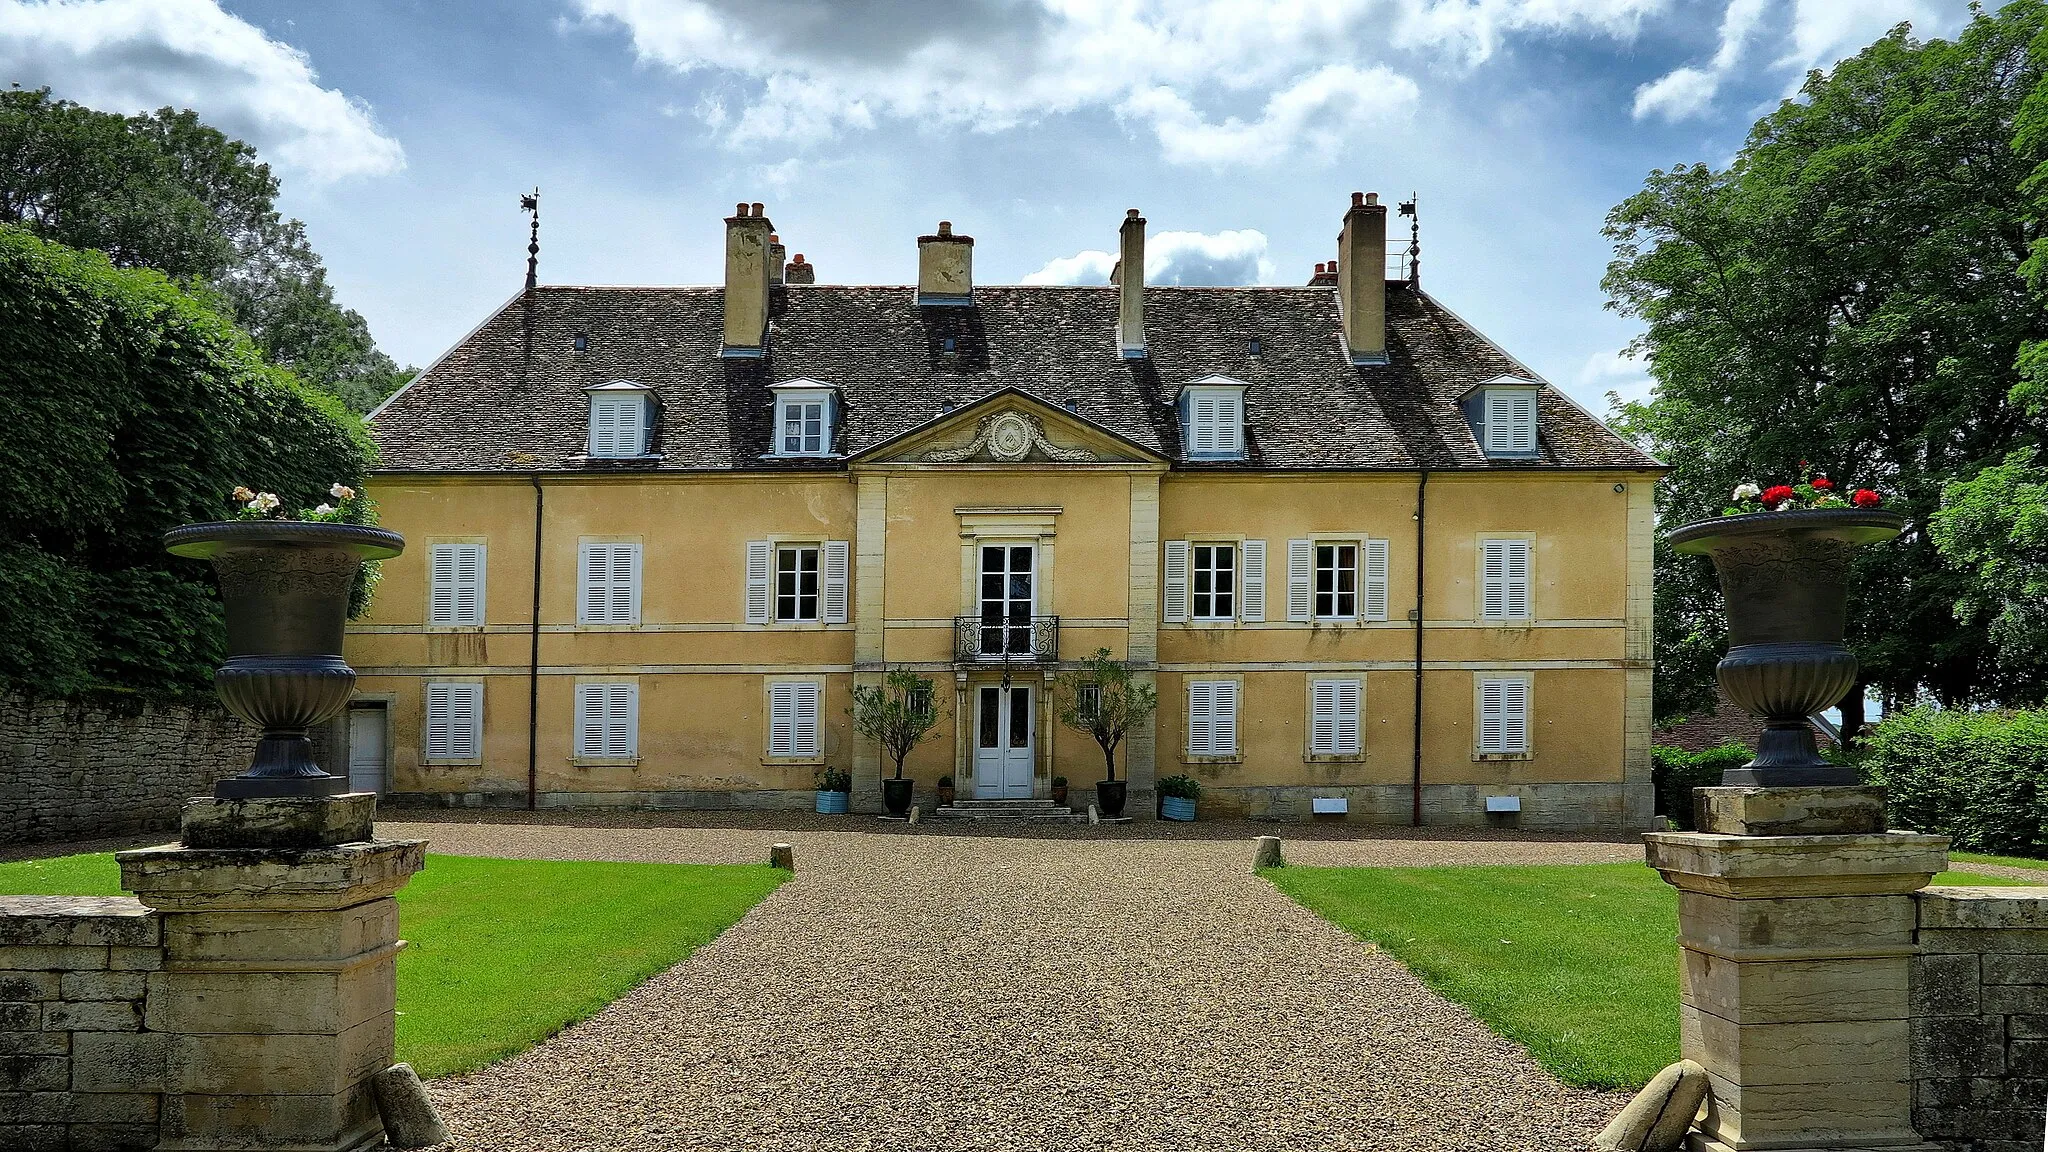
(1796, 938)
(278, 989)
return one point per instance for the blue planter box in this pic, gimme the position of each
(1177, 807)
(833, 803)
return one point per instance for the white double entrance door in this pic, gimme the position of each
(1002, 741)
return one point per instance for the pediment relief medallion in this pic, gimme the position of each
(1010, 437)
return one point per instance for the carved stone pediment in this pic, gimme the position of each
(1009, 437)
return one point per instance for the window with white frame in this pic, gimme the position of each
(455, 721)
(803, 419)
(1214, 576)
(608, 583)
(797, 582)
(1504, 716)
(456, 585)
(1088, 702)
(607, 721)
(1333, 717)
(1337, 579)
(1510, 421)
(1212, 718)
(1504, 579)
(793, 718)
(619, 420)
(1212, 417)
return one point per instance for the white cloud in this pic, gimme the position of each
(1231, 257)
(1218, 81)
(1621, 376)
(139, 55)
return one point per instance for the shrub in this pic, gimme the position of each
(835, 780)
(1674, 773)
(1977, 777)
(1183, 787)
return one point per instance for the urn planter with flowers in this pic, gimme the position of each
(285, 584)
(1782, 555)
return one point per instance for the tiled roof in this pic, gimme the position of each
(490, 405)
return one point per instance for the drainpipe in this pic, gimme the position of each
(533, 662)
(1421, 519)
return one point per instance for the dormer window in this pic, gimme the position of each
(1503, 412)
(804, 411)
(1212, 418)
(621, 416)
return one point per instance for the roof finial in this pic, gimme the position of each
(1408, 209)
(529, 203)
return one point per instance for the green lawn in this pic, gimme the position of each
(2008, 861)
(503, 954)
(1575, 962)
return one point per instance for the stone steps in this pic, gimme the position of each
(1020, 809)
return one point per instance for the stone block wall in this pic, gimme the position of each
(1980, 1018)
(75, 770)
(79, 1070)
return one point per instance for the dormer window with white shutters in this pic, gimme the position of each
(1503, 415)
(805, 412)
(621, 419)
(1212, 418)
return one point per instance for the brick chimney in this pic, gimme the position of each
(1325, 277)
(945, 268)
(1362, 278)
(1130, 283)
(747, 233)
(776, 255)
(799, 272)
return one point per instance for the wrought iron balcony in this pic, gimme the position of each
(996, 638)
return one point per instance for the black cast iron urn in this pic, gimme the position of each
(1785, 577)
(285, 585)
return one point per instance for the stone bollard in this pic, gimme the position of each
(278, 991)
(409, 1116)
(782, 856)
(1796, 936)
(1267, 853)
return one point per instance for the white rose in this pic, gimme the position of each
(1747, 491)
(324, 510)
(342, 492)
(264, 501)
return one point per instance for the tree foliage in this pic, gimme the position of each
(1993, 528)
(1103, 699)
(165, 191)
(898, 714)
(128, 407)
(1846, 292)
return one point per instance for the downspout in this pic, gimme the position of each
(1421, 521)
(533, 662)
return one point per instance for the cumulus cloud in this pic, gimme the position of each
(1216, 81)
(1621, 376)
(1232, 257)
(139, 55)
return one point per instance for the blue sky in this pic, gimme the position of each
(404, 131)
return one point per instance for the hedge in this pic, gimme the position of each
(1977, 777)
(1675, 772)
(127, 407)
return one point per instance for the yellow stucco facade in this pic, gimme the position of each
(1098, 532)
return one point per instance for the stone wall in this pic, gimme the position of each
(1980, 1018)
(78, 1069)
(74, 770)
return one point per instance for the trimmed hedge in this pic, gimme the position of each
(1674, 773)
(128, 407)
(1980, 778)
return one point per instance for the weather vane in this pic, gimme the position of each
(1414, 237)
(529, 203)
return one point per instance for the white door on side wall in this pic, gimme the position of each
(1002, 743)
(366, 749)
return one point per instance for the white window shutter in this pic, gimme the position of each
(469, 584)
(1373, 606)
(1228, 424)
(589, 720)
(625, 584)
(632, 430)
(1517, 579)
(781, 719)
(621, 720)
(604, 437)
(1175, 597)
(437, 721)
(1515, 716)
(1493, 569)
(760, 558)
(1524, 423)
(1204, 422)
(1201, 706)
(1323, 717)
(1251, 587)
(1348, 693)
(835, 581)
(806, 735)
(1223, 719)
(441, 584)
(454, 721)
(592, 566)
(1301, 555)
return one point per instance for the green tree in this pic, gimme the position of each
(1102, 699)
(128, 407)
(898, 714)
(1993, 527)
(165, 191)
(1845, 292)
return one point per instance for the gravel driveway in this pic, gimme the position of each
(918, 989)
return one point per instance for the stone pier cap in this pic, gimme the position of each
(1876, 864)
(173, 878)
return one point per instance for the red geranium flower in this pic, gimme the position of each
(1823, 483)
(1865, 498)
(1775, 495)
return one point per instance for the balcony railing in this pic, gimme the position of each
(1015, 638)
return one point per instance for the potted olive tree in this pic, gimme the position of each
(1101, 699)
(898, 715)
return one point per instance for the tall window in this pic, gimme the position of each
(455, 721)
(607, 721)
(456, 576)
(1215, 581)
(1212, 717)
(1504, 580)
(1333, 717)
(1504, 716)
(609, 580)
(793, 718)
(1336, 581)
(796, 582)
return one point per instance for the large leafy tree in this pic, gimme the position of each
(1846, 293)
(165, 191)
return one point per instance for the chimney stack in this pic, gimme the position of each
(1362, 278)
(799, 272)
(1130, 283)
(747, 233)
(945, 268)
(776, 255)
(1325, 277)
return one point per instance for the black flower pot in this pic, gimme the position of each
(896, 796)
(286, 587)
(1109, 797)
(1785, 577)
